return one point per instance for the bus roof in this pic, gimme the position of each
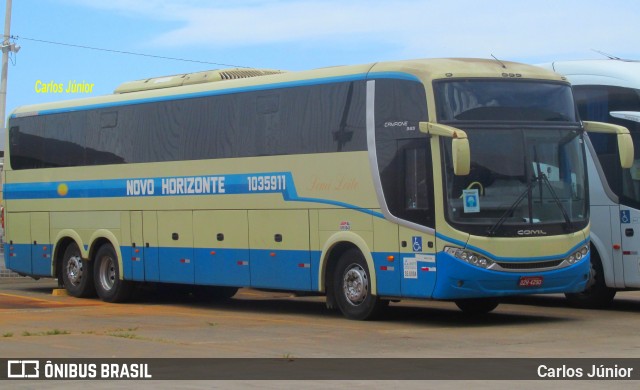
(614, 72)
(424, 69)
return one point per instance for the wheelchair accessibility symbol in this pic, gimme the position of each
(625, 216)
(416, 243)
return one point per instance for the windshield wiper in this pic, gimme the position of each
(492, 230)
(557, 200)
(541, 178)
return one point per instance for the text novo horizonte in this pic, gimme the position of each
(177, 186)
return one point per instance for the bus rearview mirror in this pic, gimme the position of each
(633, 116)
(460, 152)
(625, 142)
(461, 156)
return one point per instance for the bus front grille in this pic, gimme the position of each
(535, 265)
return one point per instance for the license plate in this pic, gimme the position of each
(530, 281)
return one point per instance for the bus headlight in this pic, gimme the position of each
(577, 255)
(469, 257)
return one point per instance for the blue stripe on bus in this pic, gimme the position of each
(299, 269)
(143, 187)
(253, 88)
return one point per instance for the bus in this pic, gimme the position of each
(608, 90)
(449, 179)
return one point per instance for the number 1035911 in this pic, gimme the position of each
(267, 183)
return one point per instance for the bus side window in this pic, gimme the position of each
(416, 196)
(414, 182)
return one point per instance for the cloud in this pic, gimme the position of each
(413, 27)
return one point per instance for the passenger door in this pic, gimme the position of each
(416, 205)
(630, 235)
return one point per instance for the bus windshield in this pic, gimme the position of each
(523, 178)
(520, 180)
(503, 100)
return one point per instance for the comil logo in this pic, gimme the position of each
(23, 369)
(532, 232)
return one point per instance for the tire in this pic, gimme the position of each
(477, 306)
(109, 286)
(77, 273)
(352, 287)
(596, 295)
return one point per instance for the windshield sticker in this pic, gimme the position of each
(471, 201)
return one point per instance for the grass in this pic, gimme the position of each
(125, 329)
(8, 334)
(126, 335)
(53, 332)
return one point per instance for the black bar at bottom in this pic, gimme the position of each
(322, 369)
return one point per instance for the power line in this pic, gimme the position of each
(16, 37)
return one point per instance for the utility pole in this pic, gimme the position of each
(6, 48)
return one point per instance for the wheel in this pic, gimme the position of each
(109, 286)
(352, 287)
(596, 294)
(477, 306)
(77, 276)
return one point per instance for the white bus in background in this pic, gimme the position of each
(608, 90)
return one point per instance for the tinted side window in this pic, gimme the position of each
(404, 153)
(595, 103)
(308, 119)
(56, 142)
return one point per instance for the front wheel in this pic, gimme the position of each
(352, 287)
(596, 295)
(477, 306)
(109, 286)
(77, 275)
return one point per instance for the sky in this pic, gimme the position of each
(294, 35)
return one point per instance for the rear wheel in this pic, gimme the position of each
(596, 294)
(477, 306)
(109, 286)
(77, 275)
(352, 287)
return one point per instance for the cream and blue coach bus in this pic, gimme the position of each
(451, 179)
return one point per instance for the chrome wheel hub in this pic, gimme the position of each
(74, 270)
(355, 284)
(107, 273)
